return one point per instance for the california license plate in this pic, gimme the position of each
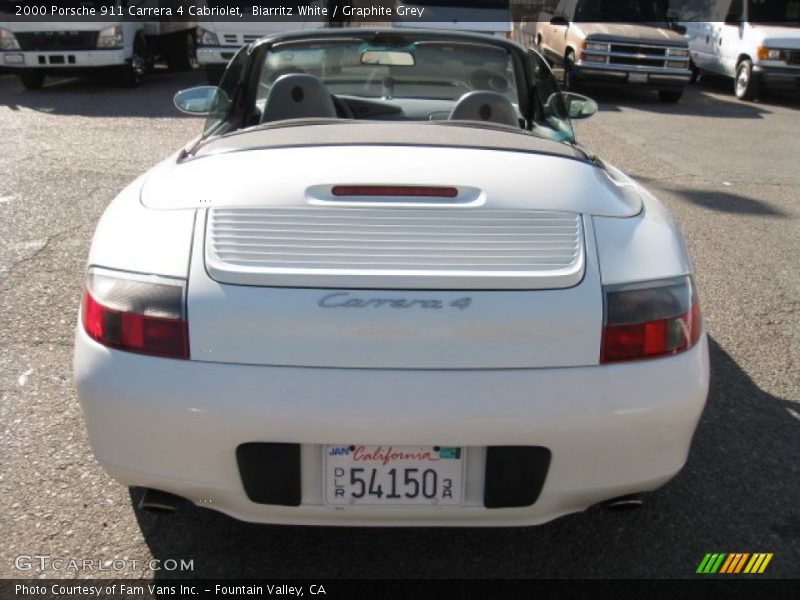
(637, 77)
(394, 475)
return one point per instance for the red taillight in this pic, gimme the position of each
(395, 190)
(144, 314)
(649, 320)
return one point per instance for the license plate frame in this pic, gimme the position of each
(450, 464)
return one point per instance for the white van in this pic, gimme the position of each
(124, 45)
(218, 41)
(755, 42)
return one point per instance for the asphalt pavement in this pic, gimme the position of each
(729, 172)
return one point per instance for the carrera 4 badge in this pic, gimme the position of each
(347, 300)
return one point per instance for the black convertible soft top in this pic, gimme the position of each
(337, 132)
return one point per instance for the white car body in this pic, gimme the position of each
(392, 348)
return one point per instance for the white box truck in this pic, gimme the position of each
(125, 44)
(218, 40)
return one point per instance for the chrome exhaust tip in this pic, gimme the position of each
(156, 501)
(624, 503)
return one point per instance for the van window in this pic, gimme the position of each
(622, 11)
(777, 12)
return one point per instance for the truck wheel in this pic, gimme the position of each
(33, 80)
(214, 74)
(570, 80)
(695, 72)
(745, 86)
(670, 96)
(130, 74)
(181, 52)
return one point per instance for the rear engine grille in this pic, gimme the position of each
(395, 248)
(57, 40)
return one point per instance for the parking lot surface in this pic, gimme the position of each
(727, 170)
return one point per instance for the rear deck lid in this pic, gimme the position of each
(395, 248)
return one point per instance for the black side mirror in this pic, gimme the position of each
(558, 20)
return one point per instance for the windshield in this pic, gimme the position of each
(390, 76)
(623, 11)
(428, 70)
(775, 12)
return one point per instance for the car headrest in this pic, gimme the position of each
(298, 96)
(485, 106)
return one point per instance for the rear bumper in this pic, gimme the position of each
(655, 78)
(175, 425)
(61, 60)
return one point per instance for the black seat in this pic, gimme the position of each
(485, 106)
(298, 96)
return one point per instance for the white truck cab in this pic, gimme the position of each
(123, 45)
(754, 42)
(218, 40)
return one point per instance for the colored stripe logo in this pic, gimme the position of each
(734, 562)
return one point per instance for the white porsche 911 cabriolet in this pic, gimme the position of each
(386, 287)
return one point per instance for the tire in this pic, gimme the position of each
(744, 85)
(131, 73)
(214, 74)
(181, 52)
(33, 80)
(570, 79)
(670, 96)
(695, 72)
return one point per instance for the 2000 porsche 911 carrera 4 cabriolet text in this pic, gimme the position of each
(385, 286)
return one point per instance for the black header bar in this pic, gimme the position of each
(407, 12)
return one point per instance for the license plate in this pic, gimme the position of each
(637, 77)
(394, 475)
